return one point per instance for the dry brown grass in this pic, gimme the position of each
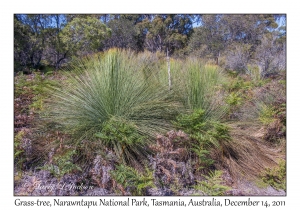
(246, 155)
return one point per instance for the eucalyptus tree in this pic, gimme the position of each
(123, 34)
(167, 31)
(84, 35)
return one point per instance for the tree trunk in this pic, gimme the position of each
(57, 65)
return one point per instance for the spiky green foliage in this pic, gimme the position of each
(110, 90)
(212, 186)
(237, 84)
(196, 85)
(137, 182)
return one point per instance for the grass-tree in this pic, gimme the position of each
(114, 102)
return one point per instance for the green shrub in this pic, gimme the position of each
(234, 85)
(267, 114)
(275, 177)
(234, 100)
(129, 177)
(212, 186)
(62, 164)
(241, 85)
(281, 113)
(204, 134)
(123, 137)
(193, 122)
(232, 74)
(19, 150)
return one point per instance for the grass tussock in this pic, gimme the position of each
(197, 86)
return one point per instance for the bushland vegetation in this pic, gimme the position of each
(149, 104)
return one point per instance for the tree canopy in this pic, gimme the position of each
(52, 39)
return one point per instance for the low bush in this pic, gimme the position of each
(19, 151)
(204, 134)
(137, 182)
(123, 137)
(62, 163)
(267, 114)
(213, 184)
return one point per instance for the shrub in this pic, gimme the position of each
(123, 137)
(62, 164)
(212, 186)
(129, 177)
(19, 150)
(238, 85)
(204, 134)
(233, 101)
(267, 114)
(36, 86)
(106, 92)
(275, 177)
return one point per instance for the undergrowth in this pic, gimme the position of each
(19, 156)
(111, 90)
(37, 87)
(62, 164)
(213, 184)
(137, 182)
(204, 134)
(122, 137)
(275, 177)
(118, 103)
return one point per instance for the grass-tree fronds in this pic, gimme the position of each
(196, 85)
(112, 89)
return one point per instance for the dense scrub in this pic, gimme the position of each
(113, 121)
